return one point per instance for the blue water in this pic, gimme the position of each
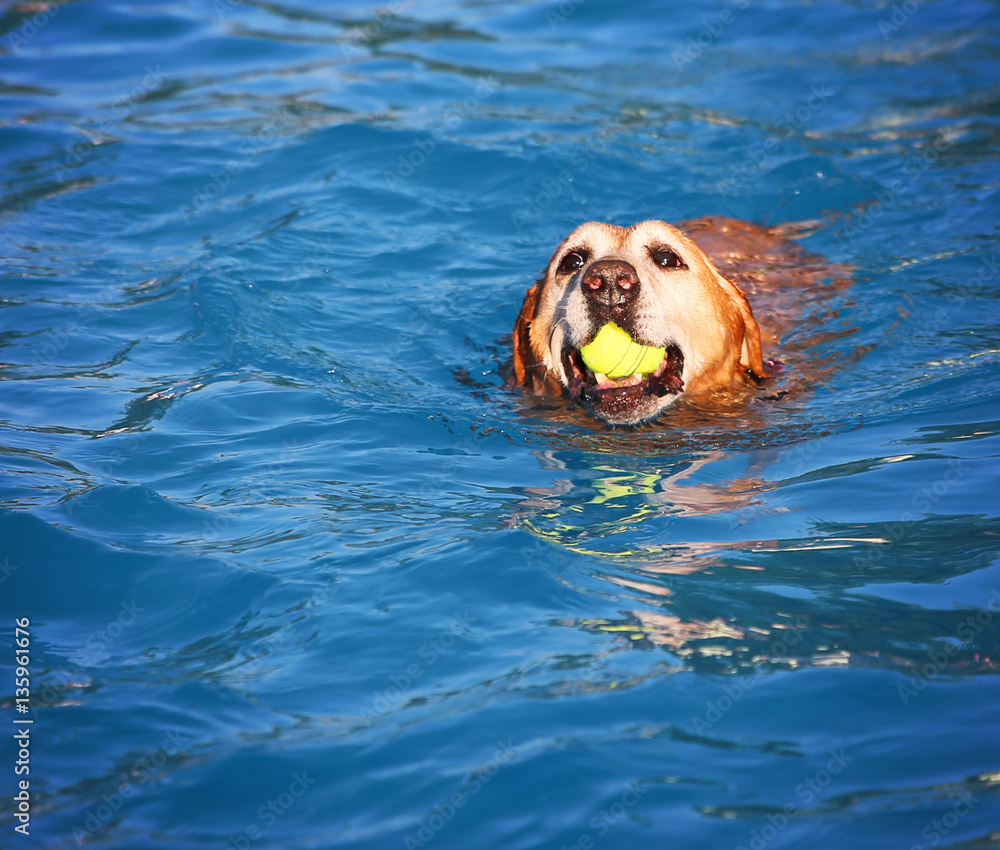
(301, 573)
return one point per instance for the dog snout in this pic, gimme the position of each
(612, 284)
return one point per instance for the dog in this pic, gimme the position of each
(654, 281)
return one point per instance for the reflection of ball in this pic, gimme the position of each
(615, 354)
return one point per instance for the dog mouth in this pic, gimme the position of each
(628, 400)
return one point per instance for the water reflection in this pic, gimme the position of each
(729, 604)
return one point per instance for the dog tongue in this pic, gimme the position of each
(606, 383)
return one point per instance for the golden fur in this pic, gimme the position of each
(664, 290)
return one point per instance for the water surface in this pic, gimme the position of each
(302, 573)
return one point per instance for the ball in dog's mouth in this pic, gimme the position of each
(614, 354)
(626, 400)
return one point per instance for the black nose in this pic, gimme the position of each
(611, 283)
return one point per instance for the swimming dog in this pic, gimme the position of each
(655, 283)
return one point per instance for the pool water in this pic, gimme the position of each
(300, 572)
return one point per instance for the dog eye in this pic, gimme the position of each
(572, 261)
(667, 259)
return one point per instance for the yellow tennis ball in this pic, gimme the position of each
(615, 354)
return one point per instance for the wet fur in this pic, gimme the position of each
(703, 309)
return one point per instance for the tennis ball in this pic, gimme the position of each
(615, 354)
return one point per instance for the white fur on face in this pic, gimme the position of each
(671, 305)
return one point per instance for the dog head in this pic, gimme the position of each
(658, 286)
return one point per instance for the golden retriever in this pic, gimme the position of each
(657, 284)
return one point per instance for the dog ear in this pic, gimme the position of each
(751, 356)
(524, 357)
